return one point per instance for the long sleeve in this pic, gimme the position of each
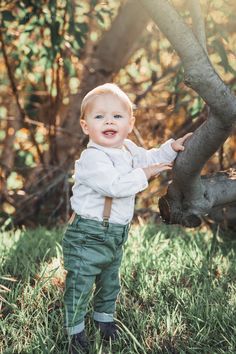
(95, 169)
(144, 158)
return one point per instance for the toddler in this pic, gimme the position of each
(108, 175)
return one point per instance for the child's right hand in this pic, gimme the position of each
(156, 169)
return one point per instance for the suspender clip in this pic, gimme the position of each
(105, 222)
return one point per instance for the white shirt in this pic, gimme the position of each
(115, 173)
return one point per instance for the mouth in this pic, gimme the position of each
(109, 132)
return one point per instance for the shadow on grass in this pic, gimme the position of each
(24, 251)
(198, 284)
(33, 305)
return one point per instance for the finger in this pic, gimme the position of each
(166, 165)
(164, 168)
(179, 147)
(186, 136)
(160, 165)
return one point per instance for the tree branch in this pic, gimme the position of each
(198, 22)
(16, 95)
(189, 197)
(199, 73)
(221, 187)
(202, 145)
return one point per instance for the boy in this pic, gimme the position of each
(108, 175)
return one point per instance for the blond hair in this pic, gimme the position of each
(107, 88)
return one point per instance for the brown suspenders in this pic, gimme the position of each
(106, 212)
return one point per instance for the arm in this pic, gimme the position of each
(155, 169)
(165, 154)
(144, 158)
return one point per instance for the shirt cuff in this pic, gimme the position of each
(169, 150)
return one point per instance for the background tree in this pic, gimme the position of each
(53, 53)
(191, 196)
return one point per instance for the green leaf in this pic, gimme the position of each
(55, 37)
(100, 17)
(93, 2)
(24, 62)
(83, 27)
(26, 18)
(107, 11)
(23, 38)
(79, 38)
(69, 67)
(196, 107)
(29, 28)
(48, 53)
(8, 16)
(3, 112)
(43, 61)
(2, 134)
(30, 53)
(14, 181)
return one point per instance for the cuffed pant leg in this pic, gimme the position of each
(107, 289)
(77, 294)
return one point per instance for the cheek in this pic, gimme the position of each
(94, 130)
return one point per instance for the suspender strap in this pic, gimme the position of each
(72, 218)
(107, 211)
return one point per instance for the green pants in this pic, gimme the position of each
(92, 256)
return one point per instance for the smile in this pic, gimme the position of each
(109, 132)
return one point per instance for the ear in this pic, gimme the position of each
(84, 126)
(131, 123)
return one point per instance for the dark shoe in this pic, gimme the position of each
(108, 330)
(79, 343)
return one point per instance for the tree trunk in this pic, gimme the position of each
(190, 196)
(108, 57)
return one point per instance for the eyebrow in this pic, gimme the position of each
(102, 112)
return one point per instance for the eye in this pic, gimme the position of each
(117, 116)
(98, 116)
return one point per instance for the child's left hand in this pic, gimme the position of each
(177, 145)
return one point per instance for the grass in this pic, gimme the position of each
(178, 293)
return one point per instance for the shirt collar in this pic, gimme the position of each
(103, 148)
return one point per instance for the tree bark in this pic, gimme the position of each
(198, 25)
(191, 196)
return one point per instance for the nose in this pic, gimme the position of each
(109, 120)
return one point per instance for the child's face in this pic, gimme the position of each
(108, 121)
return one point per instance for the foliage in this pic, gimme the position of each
(178, 293)
(45, 48)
